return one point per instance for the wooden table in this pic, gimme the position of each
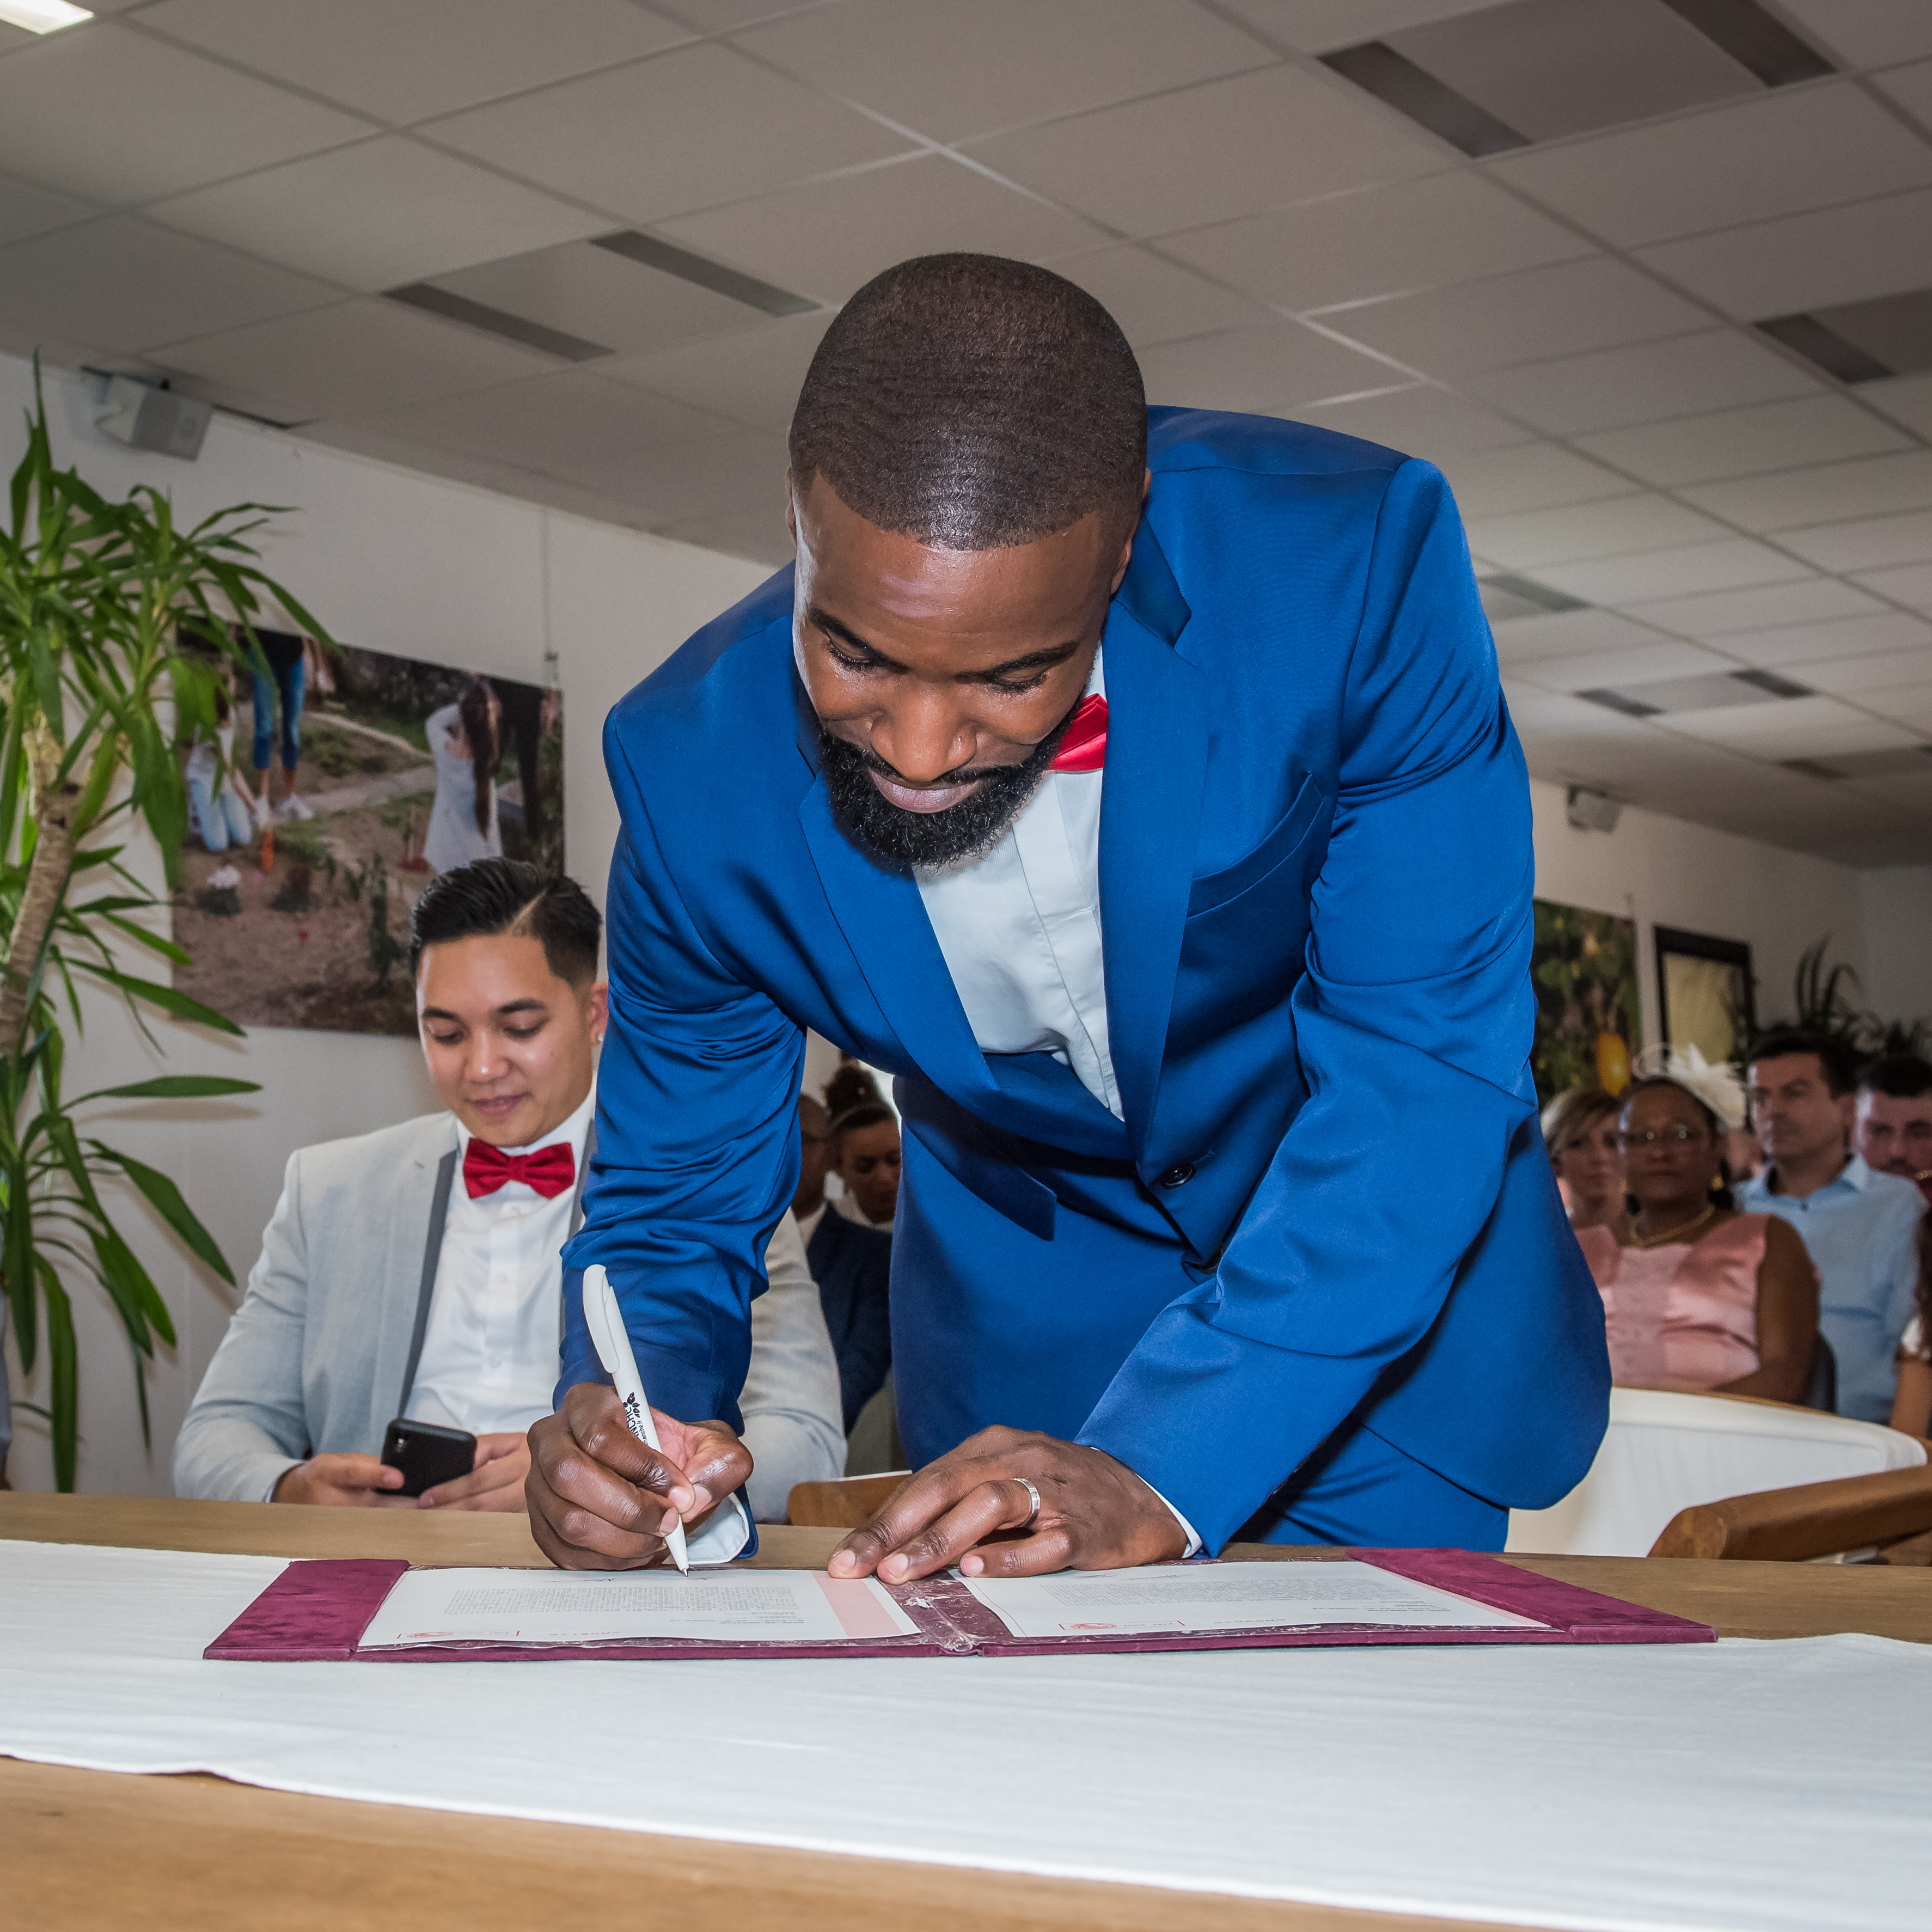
(85, 1848)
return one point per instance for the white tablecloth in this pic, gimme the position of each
(1746, 1786)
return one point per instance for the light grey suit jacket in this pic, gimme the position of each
(322, 1353)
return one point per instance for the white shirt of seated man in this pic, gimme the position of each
(510, 1046)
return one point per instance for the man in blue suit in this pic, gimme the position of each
(1135, 785)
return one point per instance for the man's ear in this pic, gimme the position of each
(598, 1009)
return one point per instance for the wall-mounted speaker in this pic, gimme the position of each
(1593, 811)
(144, 417)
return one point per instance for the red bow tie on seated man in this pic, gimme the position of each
(1084, 748)
(549, 1170)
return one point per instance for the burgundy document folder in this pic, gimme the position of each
(316, 1612)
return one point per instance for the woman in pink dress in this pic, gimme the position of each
(1699, 1298)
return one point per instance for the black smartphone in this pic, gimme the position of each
(427, 1454)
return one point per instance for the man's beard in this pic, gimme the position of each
(888, 833)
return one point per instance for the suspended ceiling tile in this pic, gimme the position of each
(404, 63)
(1156, 300)
(825, 238)
(1912, 586)
(1273, 368)
(1734, 563)
(1571, 633)
(1832, 491)
(1612, 387)
(376, 214)
(644, 141)
(1532, 475)
(1867, 543)
(1804, 262)
(1868, 677)
(1788, 150)
(26, 210)
(1795, 728)
(1612, 669)
(1719, 614)
(721, 16)
(1533, 709)
(1382, 242)
(600, 296)
(113, 115)
(124, 285)
(1911, 87)
(1317, 26)
(1906, 399)
(1612, 528)
(952, 71)
(1867, 33)
(754, 379)
(1210, 153)
(1593, 303)
(1744, 442)
(347, 360)
(1909, 706)
(1419, 420)
(1548, 68)
(1879, 631)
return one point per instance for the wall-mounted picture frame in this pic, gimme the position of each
(1588, 1026)
(1706, 995)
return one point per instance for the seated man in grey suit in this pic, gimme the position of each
(415, 1271)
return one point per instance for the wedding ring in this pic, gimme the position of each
(1034, 1515)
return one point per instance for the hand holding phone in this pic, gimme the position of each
(427, 1454)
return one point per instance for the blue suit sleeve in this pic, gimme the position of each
(697, 1140)
(1414, 1020)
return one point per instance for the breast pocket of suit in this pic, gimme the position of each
(1247, 924)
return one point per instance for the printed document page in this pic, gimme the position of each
(1163, 1599)
(538, 1606)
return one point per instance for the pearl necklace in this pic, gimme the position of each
(1670, 1233)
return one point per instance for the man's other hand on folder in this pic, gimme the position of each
(600, 1499)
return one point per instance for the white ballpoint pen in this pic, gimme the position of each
(612, 1341)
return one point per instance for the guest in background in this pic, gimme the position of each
(1911, 1406)
(852, 1265)
(415, 1271)
(281, 672)
(1858, 1226)
(1893, 1127)
(465, 739)
(865, 1154)
(1698, 1298)
(1580, 1128)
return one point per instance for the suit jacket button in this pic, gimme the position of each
(1178, 1175)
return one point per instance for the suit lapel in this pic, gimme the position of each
(1150, 819)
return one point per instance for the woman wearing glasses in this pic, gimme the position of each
(1699, 1297)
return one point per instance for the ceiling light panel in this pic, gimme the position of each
(42, 16)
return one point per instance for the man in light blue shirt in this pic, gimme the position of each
(1859, 1225)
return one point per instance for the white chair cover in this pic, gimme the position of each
(1667, 1453)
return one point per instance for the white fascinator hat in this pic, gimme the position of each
(1718, 1087)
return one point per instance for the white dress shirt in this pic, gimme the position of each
(1019, 926)
(490, 1353)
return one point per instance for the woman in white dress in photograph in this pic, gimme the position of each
(466, 739)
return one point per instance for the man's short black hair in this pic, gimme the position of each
(973, 403)
(1841, 1072)
(1899, 1076)
(497, 896)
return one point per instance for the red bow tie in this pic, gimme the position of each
(1084, 748)
(549, 1170)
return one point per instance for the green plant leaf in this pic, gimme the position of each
(166, 997)
(63, 1376)
(174, 1087)
(165, 1198)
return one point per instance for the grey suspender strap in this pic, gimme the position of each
(439, 1213)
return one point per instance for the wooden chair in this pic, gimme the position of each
(1889, 1515)
(845, 1504)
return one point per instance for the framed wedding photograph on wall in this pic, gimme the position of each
(1705, 997)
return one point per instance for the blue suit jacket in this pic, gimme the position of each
(852, 1266)
(1328, 1199)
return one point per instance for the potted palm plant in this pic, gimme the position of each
(109, 613)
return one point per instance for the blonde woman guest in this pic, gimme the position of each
(466, 739)
(1580, 1128)
(1698, 1297)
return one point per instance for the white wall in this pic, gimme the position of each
(1898, 934)
(397, 562)
(1663, 871)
